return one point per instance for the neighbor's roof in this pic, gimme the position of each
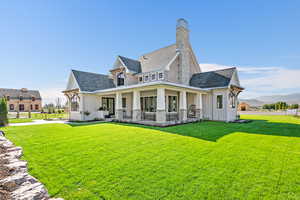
(132, 65)
(16, 93)
(89, 82)
(218, 78)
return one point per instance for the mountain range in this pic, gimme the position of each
(259, 101)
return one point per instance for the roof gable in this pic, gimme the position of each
(157, 59)
(132, 65)
(90, 82)
(211, 79)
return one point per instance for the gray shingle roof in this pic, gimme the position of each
(90, 82)
(132, 65)
(219, 78)
(16, 93)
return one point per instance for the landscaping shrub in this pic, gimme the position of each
(3, 112)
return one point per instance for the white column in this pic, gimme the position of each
(136, 106)
(119, 111)
(199, 107)
(182, 106)
(161, 106)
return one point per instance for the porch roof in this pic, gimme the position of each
(147, 85)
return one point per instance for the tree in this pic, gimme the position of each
(3, 112)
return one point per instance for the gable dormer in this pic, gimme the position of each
(125, 70)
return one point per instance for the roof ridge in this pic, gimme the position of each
(217, 70)
(17, 89)
(128, 58)
(157, 50)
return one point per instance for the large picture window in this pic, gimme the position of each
(172, 103)
(220, 101)
(148, 104)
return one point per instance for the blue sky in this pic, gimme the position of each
(40, 41)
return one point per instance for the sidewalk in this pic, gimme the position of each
(37, 122)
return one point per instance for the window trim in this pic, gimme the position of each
(162, 75)
(176, 106)
(219, 104)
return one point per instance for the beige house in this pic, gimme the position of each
(22, 100)
(162, 87)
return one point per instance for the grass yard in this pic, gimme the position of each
(208, 160)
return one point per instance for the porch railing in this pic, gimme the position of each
(174, 116)
(127, 114)
(150, 116)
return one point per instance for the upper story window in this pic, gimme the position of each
(219, 101)
(153, 76)
(160, 75)
(146, 78)
(32, 98)
(141, 79)
(7, 98)
(21, 98)
(120, 79)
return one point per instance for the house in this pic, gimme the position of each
(22, 100)
(243, 106)
(161, 87)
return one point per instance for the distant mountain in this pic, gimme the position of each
(259, 101)
(290, 98)
(252, 102)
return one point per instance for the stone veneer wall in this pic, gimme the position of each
(15, 182)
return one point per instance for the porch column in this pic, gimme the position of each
(119, 110)
(199, 108)
(161, 106)
(182, 106)
(136, 106)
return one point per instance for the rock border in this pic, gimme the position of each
(15, 181)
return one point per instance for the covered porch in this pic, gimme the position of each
(160, 105)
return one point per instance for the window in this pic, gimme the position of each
(75, 103)
(21, 98)
(31, 107)
(148, 104)
(219, 101)
(21, 107)
(7, 98)
(153, 77)
(141, 79)
(172, 103)
(160, 75)
(11, 107)
(233, 101)
(32, 98)
(146, 78)
(36, 106)
(120, 79)
(123, 102)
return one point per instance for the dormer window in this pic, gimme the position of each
(153, 76)
(160, 75)
(120, 79)
(146, 78)
(141, 79)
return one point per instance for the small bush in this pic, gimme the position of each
(3, 112)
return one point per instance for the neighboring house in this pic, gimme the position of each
(22, 100)
(161, 87)
(243, 106)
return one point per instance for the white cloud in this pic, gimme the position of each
(263, 80)
(49, 95)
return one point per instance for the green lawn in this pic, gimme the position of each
(208, 160)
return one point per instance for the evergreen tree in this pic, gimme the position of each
(3, 112)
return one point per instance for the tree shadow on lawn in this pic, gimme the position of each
(212, 131)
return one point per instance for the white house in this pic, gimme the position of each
(161, 87)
